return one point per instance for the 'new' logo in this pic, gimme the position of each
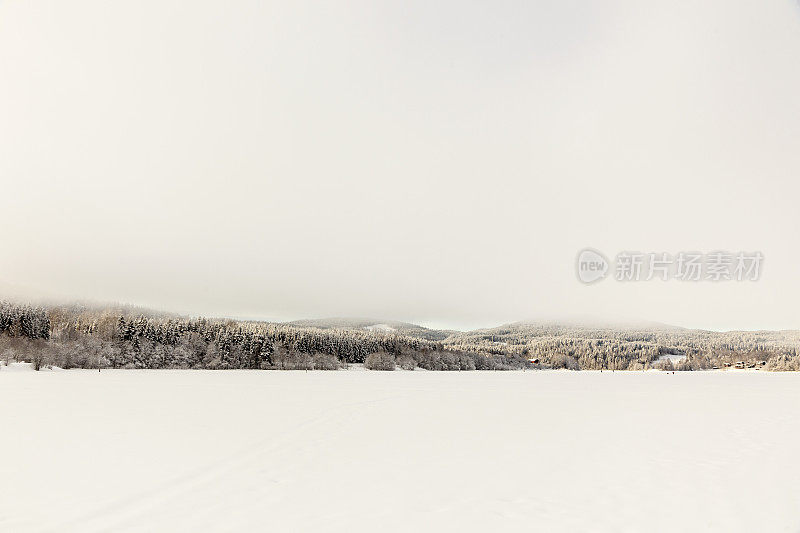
(591, 266)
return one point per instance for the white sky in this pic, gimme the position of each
(439, 162)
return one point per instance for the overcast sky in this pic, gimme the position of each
(433, 161)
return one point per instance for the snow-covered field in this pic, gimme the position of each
(170, 451)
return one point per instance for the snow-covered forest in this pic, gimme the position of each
(633, 347)
(124, 337)
(77, 336)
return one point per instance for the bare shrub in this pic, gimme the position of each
(298, 361)
(665, 365)
(38, 358)
(379, 361)
(9, 355)
(324, 361)
(561, 360)
(406, 362)
(783, 363)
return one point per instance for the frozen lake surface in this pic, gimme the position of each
(153, 451)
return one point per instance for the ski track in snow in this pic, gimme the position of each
(130, 511)
(142, 451)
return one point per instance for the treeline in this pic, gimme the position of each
(78, 336)
(633, 348)
(84, 337)
(24, 321)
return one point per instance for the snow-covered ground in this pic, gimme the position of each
(675, 358)
(380, 327)
(154, 451)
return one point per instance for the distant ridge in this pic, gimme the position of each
(388, 326)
